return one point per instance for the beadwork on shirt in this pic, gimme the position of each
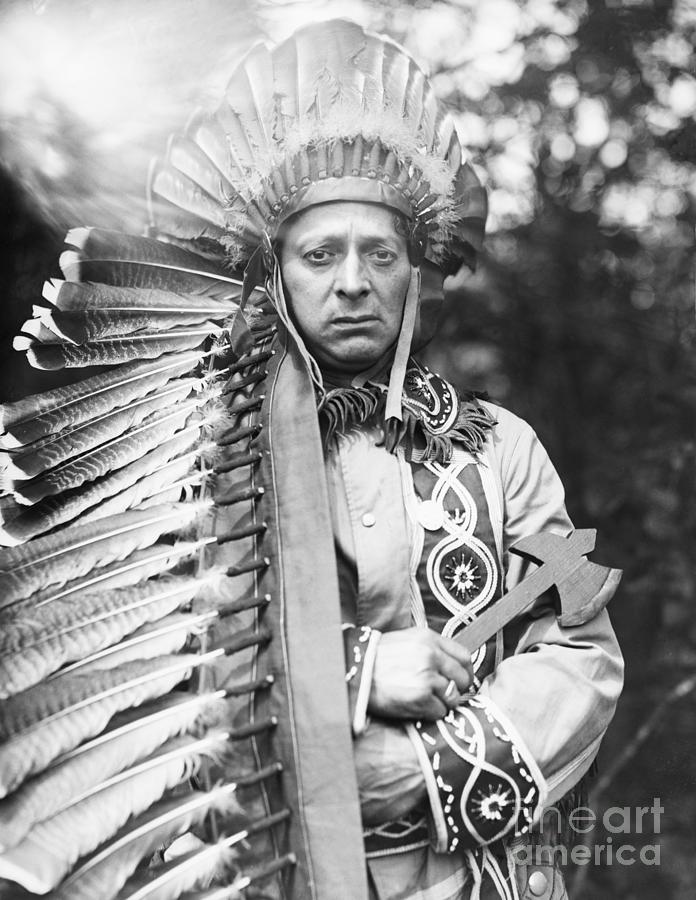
(461, 570)
(492, 800)
(407, 833)
(435, 419)
(433, 398)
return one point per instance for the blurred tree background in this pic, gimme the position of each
(580, 116)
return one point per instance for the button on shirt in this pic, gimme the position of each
(371, 532)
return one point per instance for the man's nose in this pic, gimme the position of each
(351, 277)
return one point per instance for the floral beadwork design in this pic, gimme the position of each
(486, 785)
(492, 805)
(433, 398)
(463, 576)
(461, 570)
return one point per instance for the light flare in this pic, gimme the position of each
(89, 92)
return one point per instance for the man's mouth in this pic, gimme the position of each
(354, 320)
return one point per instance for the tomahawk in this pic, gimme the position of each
(582, 587)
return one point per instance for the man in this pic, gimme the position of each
(356, 516)
(346, 270)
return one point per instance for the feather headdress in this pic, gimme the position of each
(332, 113)
(162, 516)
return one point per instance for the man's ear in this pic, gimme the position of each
(432, 296)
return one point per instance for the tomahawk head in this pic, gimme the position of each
(583, 587)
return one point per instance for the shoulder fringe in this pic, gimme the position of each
(345, 409)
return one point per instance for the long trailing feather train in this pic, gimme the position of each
(127, 558)
(126, 584)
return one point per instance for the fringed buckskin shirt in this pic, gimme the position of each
(427, 544)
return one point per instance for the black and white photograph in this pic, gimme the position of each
(348, 449)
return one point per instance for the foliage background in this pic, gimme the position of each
(581, 117)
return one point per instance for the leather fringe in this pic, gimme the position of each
(345, 409)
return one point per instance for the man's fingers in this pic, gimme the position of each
(413, 668)
(456, 651)
(452, 671)
(447, 693)
(439, 705)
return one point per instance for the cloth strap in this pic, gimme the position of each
(403, 347)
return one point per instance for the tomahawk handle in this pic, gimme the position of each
(583, 587)
(510, 605)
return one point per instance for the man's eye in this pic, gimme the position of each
(318, 256)
(383, 257)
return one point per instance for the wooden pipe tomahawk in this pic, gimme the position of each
(583, 588)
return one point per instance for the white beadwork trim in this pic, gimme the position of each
(476, 757)
(438, 817)
(460, 534)
(485, 702)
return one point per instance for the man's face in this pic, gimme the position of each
(346, 272)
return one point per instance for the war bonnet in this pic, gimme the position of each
(332, 113)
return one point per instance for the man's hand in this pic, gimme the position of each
(413, 668)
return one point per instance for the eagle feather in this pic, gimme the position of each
(131, 736)
(48, 852)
